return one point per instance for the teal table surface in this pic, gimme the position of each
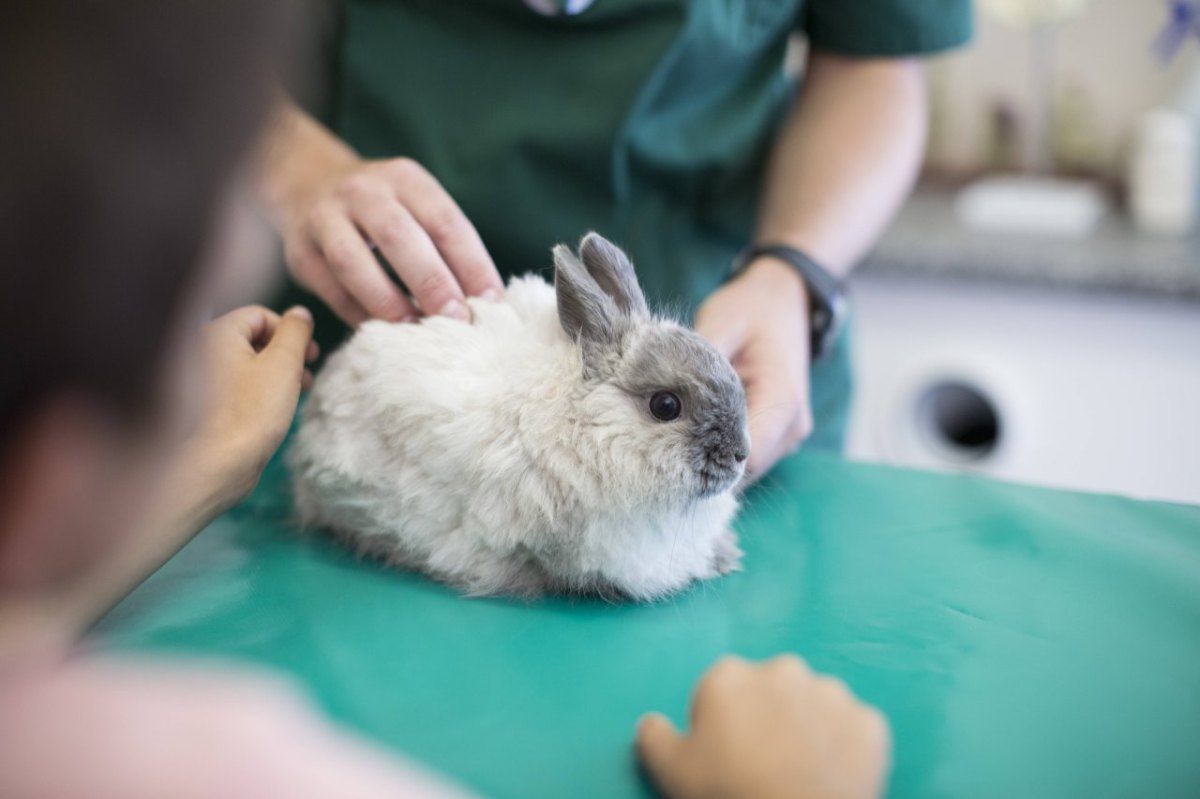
(1023, 642)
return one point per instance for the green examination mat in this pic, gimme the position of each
(1023, 642)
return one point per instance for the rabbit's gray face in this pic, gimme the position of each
(662, 400)
(691, 405)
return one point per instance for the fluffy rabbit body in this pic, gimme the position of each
(566, 441)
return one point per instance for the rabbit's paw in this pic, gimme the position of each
(727, 555)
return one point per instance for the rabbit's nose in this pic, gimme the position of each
(740, 454)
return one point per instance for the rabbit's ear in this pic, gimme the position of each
(613, 272)
(587, 314)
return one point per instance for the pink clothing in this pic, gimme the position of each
(105, 728)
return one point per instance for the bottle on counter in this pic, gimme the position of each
(1163, 173)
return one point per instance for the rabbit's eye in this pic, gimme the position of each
(665, 406)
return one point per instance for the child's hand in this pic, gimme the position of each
(256, 367)
(768, 731)
(255, 363)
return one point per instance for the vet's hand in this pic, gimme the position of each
(331, 206)
(760, 322)
(256, 366)
(772, 730)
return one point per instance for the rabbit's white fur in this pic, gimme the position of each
(454, 448)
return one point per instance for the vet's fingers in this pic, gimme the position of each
(447, 227)
(311, 270)
(414, 257)
(288, 347)
(313, 352)
(353, 265)
(727, 335)
(802, 423)
(770, 412)
(660, 748)
(800, 401)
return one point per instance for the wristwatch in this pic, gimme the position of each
(826, 295)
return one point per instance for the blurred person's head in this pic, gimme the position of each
(125, 125)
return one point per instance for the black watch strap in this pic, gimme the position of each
(826, 295)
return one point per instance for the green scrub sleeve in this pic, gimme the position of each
(886, 28)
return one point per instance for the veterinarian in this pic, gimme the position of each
(460, 140)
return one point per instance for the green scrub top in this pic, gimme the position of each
(646, 120)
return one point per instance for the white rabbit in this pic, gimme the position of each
(564, 441)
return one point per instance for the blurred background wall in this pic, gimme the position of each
(1102, 56)
(1018, 319)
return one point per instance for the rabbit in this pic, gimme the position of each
(565, 441)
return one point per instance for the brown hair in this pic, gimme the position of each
(122, 124)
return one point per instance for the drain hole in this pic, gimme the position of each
(959, 421)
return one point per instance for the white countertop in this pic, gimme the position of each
(926, 238)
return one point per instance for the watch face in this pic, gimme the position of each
(557, 8)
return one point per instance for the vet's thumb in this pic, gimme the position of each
(660, 747)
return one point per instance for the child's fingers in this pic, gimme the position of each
(252, 324)
(288, 347)
(660, 748)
